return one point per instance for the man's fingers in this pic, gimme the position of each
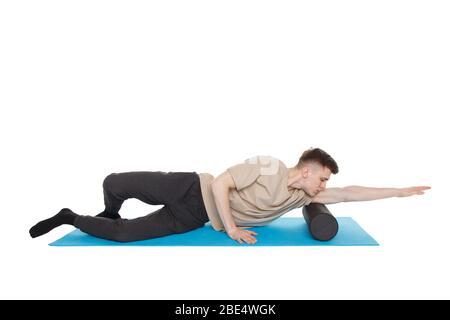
(252, 240)
(249, 239)
(421, 190)
(246, 236)
(250, 233)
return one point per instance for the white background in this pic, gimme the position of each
(93, 87)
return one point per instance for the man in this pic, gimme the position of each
(252, 193)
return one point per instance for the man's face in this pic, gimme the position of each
(316, 179)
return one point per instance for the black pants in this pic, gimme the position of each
(179, 192)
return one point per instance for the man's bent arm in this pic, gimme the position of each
(221, 189)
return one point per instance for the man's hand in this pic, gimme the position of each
(241, 235)
(406, 192)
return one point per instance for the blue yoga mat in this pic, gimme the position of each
(281, 232)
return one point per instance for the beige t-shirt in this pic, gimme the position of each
(261, 193)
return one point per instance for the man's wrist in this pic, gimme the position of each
(230, 229)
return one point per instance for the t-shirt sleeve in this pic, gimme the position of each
(244, 174)
(308, 199)
(304, 200)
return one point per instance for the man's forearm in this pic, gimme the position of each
(358, 193)
(222, 201)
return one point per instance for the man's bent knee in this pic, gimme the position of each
(109, 181)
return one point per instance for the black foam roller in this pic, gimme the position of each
(321, 223)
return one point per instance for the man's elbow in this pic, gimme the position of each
(218, 187)
(216, 183)
(214, 187)
(223, 182)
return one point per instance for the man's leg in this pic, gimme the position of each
(157, 224)
(154, 188)
(168, 188)
(183, 210)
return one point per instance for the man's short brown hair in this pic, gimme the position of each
(318, 156)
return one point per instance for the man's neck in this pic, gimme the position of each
(293, 175)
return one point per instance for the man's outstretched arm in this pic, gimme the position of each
(358, 193)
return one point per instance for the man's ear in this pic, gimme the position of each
(305, 172)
